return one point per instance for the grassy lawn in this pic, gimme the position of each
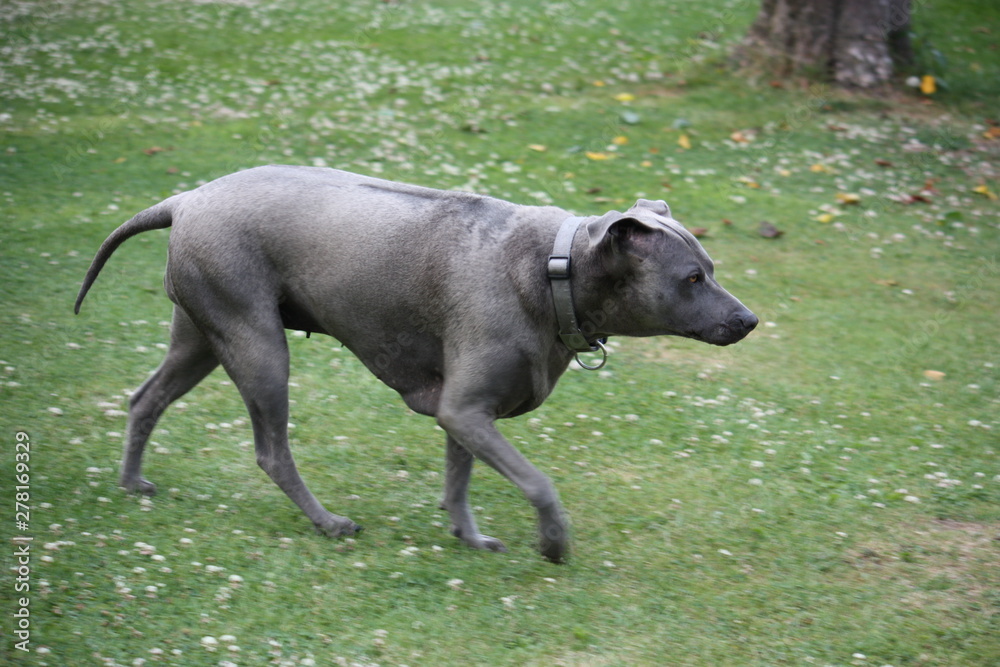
(827, 492)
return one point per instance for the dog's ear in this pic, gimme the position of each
(659, 207)
(642, 221)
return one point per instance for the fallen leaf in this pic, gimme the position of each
(784, 172)
(887, 283)
(928, 86)
(594, 190)
(992, 133)
(777, 84)
(620, 140)
(740, 138)
(153, 150)
(848, 198)
(541, 148)
(825, 218)
(630, 117)
(172, 170)
(645, 163)
(769, 231)
(684, 142)
(624, 97)
(727, 222)
(698, 232)
(985, 191)
(934, 375)
(119, 160)
(819, 168)
(883, 163)
(595, 155)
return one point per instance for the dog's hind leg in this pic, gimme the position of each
(189, 359)
(252, 348)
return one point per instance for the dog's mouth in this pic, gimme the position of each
(727, 333)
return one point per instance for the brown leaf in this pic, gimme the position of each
(727, 222)
(698, 232)
(769, 231)
(883, 163)
(153, 150)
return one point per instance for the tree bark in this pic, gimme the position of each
(852, 42)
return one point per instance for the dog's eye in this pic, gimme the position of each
(694, 278)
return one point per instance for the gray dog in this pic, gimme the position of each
(470, 307)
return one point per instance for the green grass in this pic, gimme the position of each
(808, 496)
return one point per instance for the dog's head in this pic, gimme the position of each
(647, 275)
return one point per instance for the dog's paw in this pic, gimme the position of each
(337, 526)
(139, 485)
(554, 552)
(480, 541)
(553, 536)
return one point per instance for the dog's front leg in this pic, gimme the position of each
(473, 430)
(458, 470)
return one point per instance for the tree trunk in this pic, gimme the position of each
(852, 42)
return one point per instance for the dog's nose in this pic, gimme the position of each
(744, 322)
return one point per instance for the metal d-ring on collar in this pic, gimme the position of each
(562, 296)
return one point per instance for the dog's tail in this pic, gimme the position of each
(160, 216)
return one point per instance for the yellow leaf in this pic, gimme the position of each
(847, 198)
(541, 148)
(985, 191)
(599, 83)
(684, 142)
(992, 133)
(820, 169)
(645, 163)
(934, 375)
(927, 85)
(825, 218)
(624, 97)
(784, 172)
(594, 155)
(119, 160)
(739, 137)
(620, 141)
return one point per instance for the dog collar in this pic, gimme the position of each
(560, 271)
